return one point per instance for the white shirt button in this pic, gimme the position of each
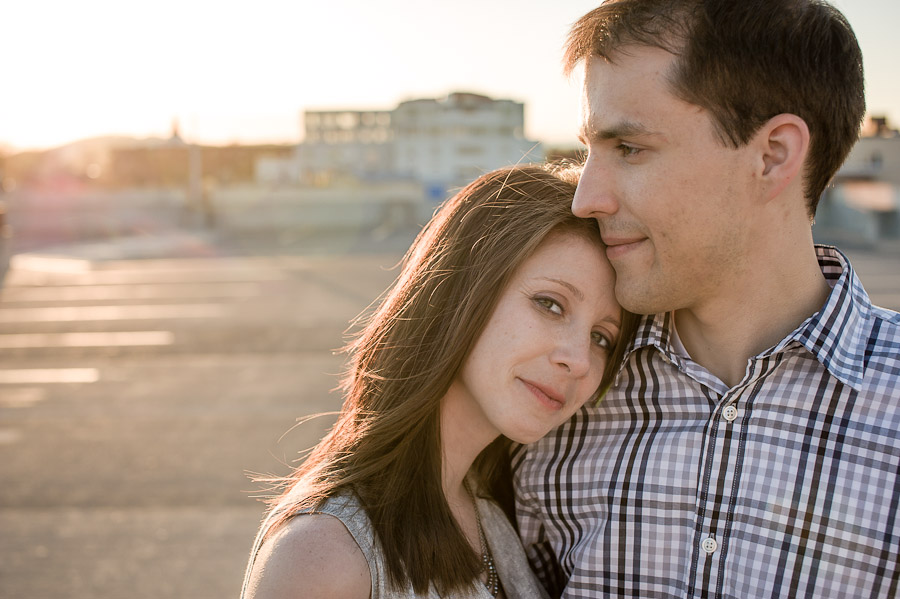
(730, 413)
(709, 545)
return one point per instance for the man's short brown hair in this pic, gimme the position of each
(746, 61)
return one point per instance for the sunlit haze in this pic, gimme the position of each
(238, 72)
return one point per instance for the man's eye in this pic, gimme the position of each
(627, 151)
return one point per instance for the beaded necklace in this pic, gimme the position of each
(492, 584)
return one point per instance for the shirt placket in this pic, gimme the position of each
(720, 473)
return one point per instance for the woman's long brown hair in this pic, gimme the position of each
(386, 445)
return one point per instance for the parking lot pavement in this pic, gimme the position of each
(135, 398)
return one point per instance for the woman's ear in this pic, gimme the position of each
(783, 143)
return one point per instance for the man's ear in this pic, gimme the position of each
(783, 143)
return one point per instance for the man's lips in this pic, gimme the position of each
(545, 395)
(616, 247)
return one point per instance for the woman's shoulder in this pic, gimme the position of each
(310, 555)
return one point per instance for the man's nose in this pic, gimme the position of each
(595, 196)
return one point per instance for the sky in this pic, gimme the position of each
(242, 72)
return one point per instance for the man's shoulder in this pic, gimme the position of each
(883, 344)
(890, 318)
(884, 327)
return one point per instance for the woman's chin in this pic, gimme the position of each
(527, 437)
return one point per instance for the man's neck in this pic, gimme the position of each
(723, 333)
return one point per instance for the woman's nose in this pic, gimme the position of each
(573, 354)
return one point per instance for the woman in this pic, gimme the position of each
(502, 323)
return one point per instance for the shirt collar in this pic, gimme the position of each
(654, 330)
(836, 335)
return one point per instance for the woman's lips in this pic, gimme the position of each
(545, 395)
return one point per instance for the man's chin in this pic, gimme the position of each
(639, 299)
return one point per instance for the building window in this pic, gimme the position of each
(347, 120)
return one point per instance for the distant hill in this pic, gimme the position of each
(115, 142)
(102, 143)
(73, 159)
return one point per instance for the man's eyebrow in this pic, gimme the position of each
(624, 129)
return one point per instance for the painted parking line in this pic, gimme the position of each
(97, 293)
(43, 376)
(21, 397)
(84, 313)
(9, 436)
(97, 339)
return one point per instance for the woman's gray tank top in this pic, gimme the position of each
(518, 581)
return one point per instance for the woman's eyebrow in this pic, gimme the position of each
(575, 290)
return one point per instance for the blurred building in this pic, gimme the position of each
(345, 143)
(438, 142)
(862, 206)
(876, 155)
(172, 165)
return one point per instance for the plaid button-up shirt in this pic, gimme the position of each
(785, 485)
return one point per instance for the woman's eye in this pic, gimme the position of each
(601, 340)
(548, 304)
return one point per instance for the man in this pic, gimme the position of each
(750, 448)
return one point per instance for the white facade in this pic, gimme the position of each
(440, 143)
(862, 206)
(874, 158)
(342, 143)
